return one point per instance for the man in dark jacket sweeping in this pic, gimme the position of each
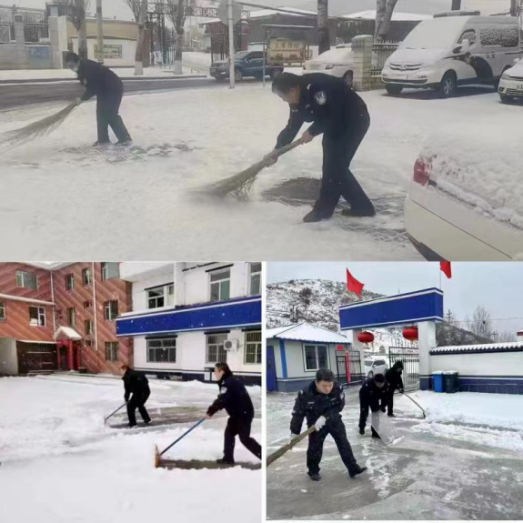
(393, 378)
(235, 399)
(373, 396)
(338, 113)
(321, 403)
(101, 82)
(137, 393)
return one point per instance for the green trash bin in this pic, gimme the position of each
(451, 381)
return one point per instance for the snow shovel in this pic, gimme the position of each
(113, 413)
(158, 454)
(382, 425)
(281, 451)
(417, 404)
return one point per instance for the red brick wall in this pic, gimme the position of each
(17, 324)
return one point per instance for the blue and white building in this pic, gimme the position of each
(187, 316)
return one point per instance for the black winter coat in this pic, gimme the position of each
(312, 404)
(135, 382)
(372, 396)
(234, 398)
(98, 80)
(393, 378)
(332, 106)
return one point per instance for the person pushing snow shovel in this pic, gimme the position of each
(321, 403)
(338, 113)
(373, 396)
(235, 399)
(137, 393)
(101, 82)
(394, 381)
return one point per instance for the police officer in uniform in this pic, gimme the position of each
(137, 393)
(394, 381)
(235, 399)
(373, 396)
(321, 403)
(338, 113)
(108, 88)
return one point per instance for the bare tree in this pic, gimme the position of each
(75, 10)
(384, 10)
(513, 8)
(505, 336)
(481, 322)
(323, 26)
(139, 9)
(456, 5)
(177, 11)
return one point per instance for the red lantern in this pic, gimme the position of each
(410, 333)
(340, 347)
(366, 337)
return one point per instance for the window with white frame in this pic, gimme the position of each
(161, 350)
(86, 277)
(28, 280)
(216, 352)
(161, 296)
(255, 280)
(2, 311)
(253, 348)
(112, 348)
(316, 357)
(110, 270)
(88, 327)
(71, 316)
(37, 316)
(111, 310)
(69, 282)
(220, 285)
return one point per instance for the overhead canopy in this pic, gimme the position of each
(66, 333)
(305, 332)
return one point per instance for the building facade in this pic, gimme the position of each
(187, 317)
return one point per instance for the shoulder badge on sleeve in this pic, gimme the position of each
(320, 98)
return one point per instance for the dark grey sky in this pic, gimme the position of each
(496, 286)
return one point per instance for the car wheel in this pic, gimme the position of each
(394, 89)
(348, 78)
(448, 85)
(505, 99)
(275, 73)
(238, 75)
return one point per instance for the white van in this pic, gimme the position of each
(449, 51)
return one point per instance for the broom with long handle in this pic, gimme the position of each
(281, 451)
(39, 128)
(240, 184)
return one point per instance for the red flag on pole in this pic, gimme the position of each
(353, 285)
(446, 268)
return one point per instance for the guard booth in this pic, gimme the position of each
(417, 311)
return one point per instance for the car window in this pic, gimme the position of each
(510, 37)
(492, 36)
(256, 55)
(379, 362)
(469, 35)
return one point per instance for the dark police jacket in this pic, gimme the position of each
(393, 378)
(332, 107)
(234, 398)
(98, 80)
(136, 383)
(312, 404)
(372, 396)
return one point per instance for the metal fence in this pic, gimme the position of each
(36, 33)
(410, 359)
(381, 51)
(348, 368)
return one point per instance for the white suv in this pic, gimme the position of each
(375, 366)
(511, 83)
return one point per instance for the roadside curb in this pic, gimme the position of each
(123, 78)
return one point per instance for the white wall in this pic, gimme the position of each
(128, 51)
(296, 360)
(140, 294)
(493, 364)
(8, 357)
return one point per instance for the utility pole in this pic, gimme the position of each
(231, 44)
(100, 31)
(456, 5)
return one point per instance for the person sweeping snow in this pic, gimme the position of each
(373, 396)
(321, 404)
(338, 113)
(137, 393)
(235, 399)
(101, 82)
(394, 381)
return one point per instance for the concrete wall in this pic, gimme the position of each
(8, 357)
(14, 56)
(125, 49)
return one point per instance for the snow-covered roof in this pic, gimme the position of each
(265, 13)
(66, 333)
(396, 17)
(305, 332)
(489, 347)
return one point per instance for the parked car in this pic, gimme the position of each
(337, 62)
(511, 83)
(375, 366)
(450, 51)
(246, 64)
(465, 200)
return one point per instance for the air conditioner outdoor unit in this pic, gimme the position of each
(231, 345)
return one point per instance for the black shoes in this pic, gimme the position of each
(314, 216)
(358, 213)
(391, 415)
(98, 143)
(356, 470)
(225, 462)
(315, 476)
(124, 142)
(362, 432)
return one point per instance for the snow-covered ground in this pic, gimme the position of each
(60, 464)
(464, 461)
(59, 189)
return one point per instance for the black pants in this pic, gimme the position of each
(242, 428)
(138, 401)
(316, 440)
(338, 180)
(107, 107)
(364, 414)
(390, 402)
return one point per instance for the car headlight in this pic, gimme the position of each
(329, 66)
(505, 76)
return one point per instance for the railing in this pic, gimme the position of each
(410, 359)
(36, 33)
(7, 32)
(381, 51)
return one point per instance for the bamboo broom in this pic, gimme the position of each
(281, 451)
(37, 129)
(240, 184)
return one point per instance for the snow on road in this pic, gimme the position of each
(130, 206)
(60, 464)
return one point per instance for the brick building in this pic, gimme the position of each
(62, 317)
